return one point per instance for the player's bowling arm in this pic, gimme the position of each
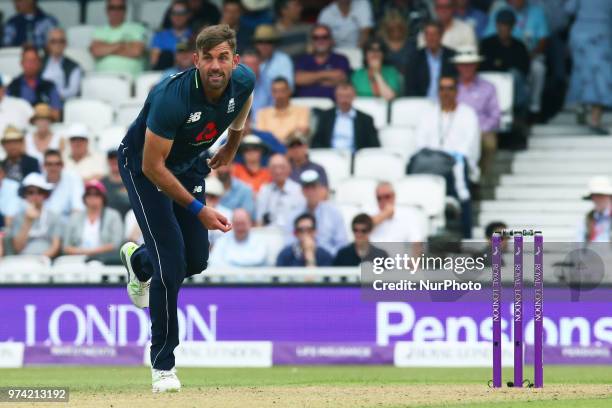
(155, 152)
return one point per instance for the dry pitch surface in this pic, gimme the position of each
(314, 387)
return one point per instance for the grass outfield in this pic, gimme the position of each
(340, 386)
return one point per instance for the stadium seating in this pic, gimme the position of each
(504, 86)
(313, 102)
(67, 12)
(109, 88)
(127, 111)
(379, 163)
(7, 8)
(357, 191)
(354, 55)
(152, 13)
(408, 111)
(10, 61)
(82, 57)
(94, 113)
(273, 238)
(80, 36)
(24, 269)
(110, 137)
(144, 82)
(398, 138)
(337, 164)
(378, 108)
(349, 211)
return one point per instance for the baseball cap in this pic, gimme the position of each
(309, 177)
(78, 130)
(34, 180)
(97, 185)
(183, 46)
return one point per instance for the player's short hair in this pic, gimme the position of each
(214, 35)
(305, 216)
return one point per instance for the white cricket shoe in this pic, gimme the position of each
(137, 291)
(165, 380)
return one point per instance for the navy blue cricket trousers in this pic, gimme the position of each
(176, 246)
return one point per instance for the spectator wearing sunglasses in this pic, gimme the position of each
(36, 230)
(64, 72)
(304, 251)
(360, 250)
(96, 232)
(164, 43)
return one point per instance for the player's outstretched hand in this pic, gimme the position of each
(214, 220)
(225, 155)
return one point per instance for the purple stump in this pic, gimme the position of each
(496, 256)
(538, 287)
(518, 310)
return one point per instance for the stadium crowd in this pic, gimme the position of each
(61, 194)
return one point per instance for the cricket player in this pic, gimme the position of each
(162, 169)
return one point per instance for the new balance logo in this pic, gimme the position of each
(197, 189)
(230, 106)
(194, 117)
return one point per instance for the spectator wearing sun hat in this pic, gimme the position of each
(252, 171)
(42, 138)
(96, 232)
(36, 230)
(597, 225)
(81, 159)
(274, 63)
(17, 163)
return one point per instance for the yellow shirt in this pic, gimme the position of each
(281, 123)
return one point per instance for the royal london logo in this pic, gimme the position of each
(231, 106)
(194, 117)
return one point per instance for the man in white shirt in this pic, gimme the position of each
(59, 69)
(457, 33)
(238, 248)
(350, 21)
(67, 194)
(279, 200)
(13, 111)
(82, 160)
(397, 224)
(274, 63)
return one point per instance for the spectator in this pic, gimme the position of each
(262, 96)
(304, 251)
(17, 164)
(116, 193)
(456, 33)
(67, 195)
(331, 234)
(452, 127)
(118, 46)
(413, 12)
(392, 223)
(504, 53)
(36, 230)
(231, 13)
(163, 45)
(597, 224)
(252, 172)
(394, 33)
(273, 63)
(429, 64)
(9, 198)
(82, 160)
(478, 19)
(345, 127)
(267, 138)
(238, 248)
(202, 13)
(278, 200)
(297, 153)
(42, 138)
(29, 25)
(482, 97)
(361, 250)
(31, 87)
(590, 43)
(317, 74)
(350, 21)
(214, 191)
(96, 232)
(376, 78)
(13, 111)
(183, 59)
(293, 33)
(236, 193)
(283, 118)
(532, 28)
(64, 72)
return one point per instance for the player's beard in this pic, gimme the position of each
(219, 82)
